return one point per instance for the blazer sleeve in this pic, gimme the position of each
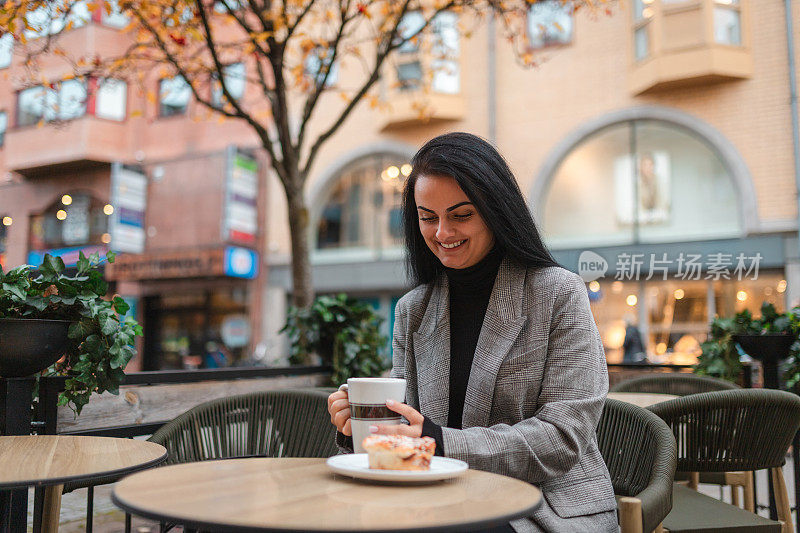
(571, 398)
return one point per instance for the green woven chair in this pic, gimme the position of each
(278, 423)
(639, 451)
(677, 384)
(725, 431)
(283, 423)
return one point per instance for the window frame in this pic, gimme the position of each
(185, 111)
(548, 44)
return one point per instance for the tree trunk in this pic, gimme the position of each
(303, 289)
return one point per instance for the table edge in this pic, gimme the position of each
(216, 526)
(84, 477)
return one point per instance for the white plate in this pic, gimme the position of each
(357, 465)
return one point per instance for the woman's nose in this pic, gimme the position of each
(444, 231)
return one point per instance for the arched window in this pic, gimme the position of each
(363, 206)
(640, 181)
(75, 219)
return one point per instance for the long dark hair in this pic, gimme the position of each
(484, 176)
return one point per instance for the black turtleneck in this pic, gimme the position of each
(470, 289)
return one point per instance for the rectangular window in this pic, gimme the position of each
(727, 23)
(115, 19)
(111, 99)
(445, 66)
(641, 44)
(409, 75)
(410, 26)
(173, 96)
(314, 63)
(6, 48)
(63, 101)
(71, 100)
(3, 127)
(235, 78)
(549, 23)
(53, 17)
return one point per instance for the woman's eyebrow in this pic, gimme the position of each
(446, 210)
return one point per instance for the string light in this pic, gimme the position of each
(741, 296)
(108, 209)
(405, 170)
(631, 300)
(66, 200)
(393, 172)
(61, 214)
(7, 221)
(782, 285)
(679, 294)
(594, 286)
(106, 238)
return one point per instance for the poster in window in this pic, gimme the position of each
(652, 188)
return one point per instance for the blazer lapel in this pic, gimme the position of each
(501, 327)
(432, 355)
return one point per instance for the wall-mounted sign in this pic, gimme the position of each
(228, 261)
(241, 262)
(129, 199)
(187, 264)
(68, 255)
(235, 331)
(240, 212)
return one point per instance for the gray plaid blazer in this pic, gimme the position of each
(535, 392)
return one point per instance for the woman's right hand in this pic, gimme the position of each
(339, 409)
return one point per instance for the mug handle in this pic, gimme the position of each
(343, 387)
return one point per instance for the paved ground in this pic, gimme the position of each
(109, 519)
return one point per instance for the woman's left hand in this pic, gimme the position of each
(412, 429)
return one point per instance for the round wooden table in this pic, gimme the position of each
(642, 399)
(52, 460)
(262, 494)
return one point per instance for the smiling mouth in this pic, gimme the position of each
(453, 245)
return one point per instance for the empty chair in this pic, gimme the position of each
(281, 423)
(677, 384)
(724, 431)
(639, 451)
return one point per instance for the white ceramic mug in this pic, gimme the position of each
(367, 398)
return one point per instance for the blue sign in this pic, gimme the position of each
(68, 255)
(241, 262)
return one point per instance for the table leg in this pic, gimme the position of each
(52, 508)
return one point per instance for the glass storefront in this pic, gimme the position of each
(652, 185)
(204, 328)
(672, 316)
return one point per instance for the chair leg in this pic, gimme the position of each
(127, 522)
(749, 493)
(735, 495)
(630, 515)
(782, 500)
(694, 480)
(89, 509)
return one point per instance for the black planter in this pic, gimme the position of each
(28, 346)
(770, 349)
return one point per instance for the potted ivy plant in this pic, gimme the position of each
(771, 338)
(72, 328)
(343, 332)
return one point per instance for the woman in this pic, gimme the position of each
(503, 361)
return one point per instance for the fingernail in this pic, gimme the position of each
(389, 402)
(373, 429)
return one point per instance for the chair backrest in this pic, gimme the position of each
(727, 431)
(677, 384)
(639, 451)
(280, 423)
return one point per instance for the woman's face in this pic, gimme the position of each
(450, 224)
